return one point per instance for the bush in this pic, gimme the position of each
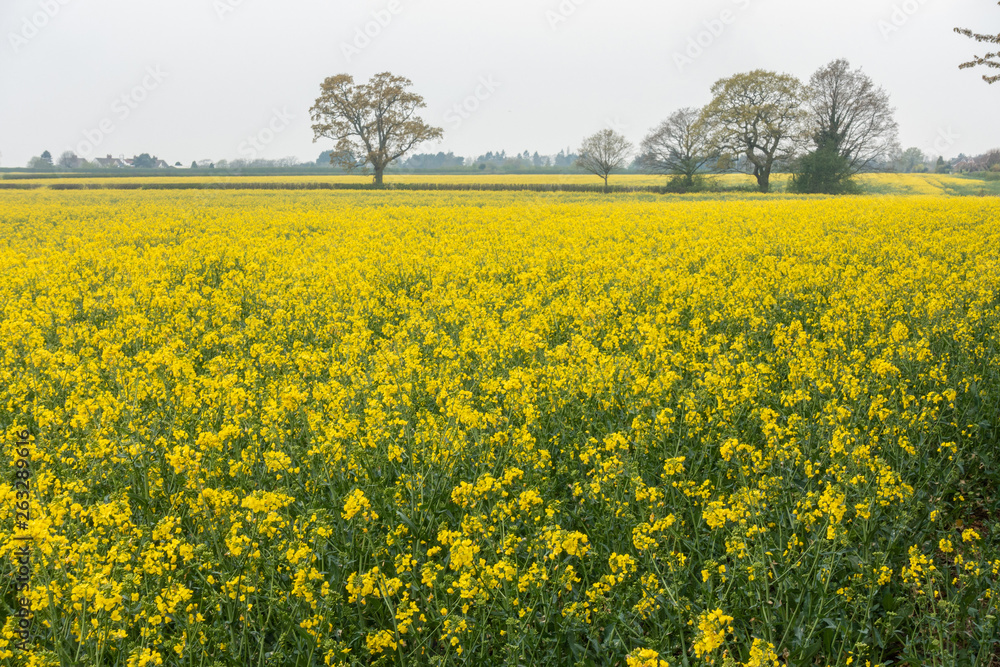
(681, 184)
(824, 171)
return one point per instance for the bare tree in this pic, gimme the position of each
(68, 160)
(989, 161)
(373, 123)
(679, 145)
(757, 116)
(848, 111)
(990, 60)
(604, 152)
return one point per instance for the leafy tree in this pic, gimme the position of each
(144, 161)
(373, 123)
(47, 158)
(911, 160)
(757, 116)
(847, 109)
(604, 152)
(679, 145)
(990, 60)
(941, 167)
(825, 170)
(194, 165)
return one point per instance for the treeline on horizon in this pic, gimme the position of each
(912, 160)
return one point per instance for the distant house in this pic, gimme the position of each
(122, 162)
(147, 162)
(109, 162)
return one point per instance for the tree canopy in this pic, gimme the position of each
(850, 113)
(679, 145)
(756, 115)
(372, 123)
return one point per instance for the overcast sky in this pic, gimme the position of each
(222, 79)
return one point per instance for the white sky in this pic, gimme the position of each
(232, 70)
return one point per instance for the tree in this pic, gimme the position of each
(911, 160)
(144, 161)
(69, 160)
(194, 165)
(604, 152)
(47, 158)
(846, 108)
(990, 60)
(989, 161)
(373, 123)
(679, 145)
(941, 167)
(757, 115)
(823, 171)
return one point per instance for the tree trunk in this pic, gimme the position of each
(763, 179)
(605, 183)
(378, 178)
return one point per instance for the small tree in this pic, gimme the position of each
(911, 160)
(69, 160)
(604, 152)
(990, 60)
(823, 171)
(373, 123)
(144, 161)
(47, 158)
(679, 146)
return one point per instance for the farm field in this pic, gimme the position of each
(358, 428)
(898, 184)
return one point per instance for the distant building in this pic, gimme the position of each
(122, 162)
(109, 162)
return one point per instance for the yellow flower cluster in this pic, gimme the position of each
(712, 630)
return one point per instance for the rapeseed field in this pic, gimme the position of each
(305, 428)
